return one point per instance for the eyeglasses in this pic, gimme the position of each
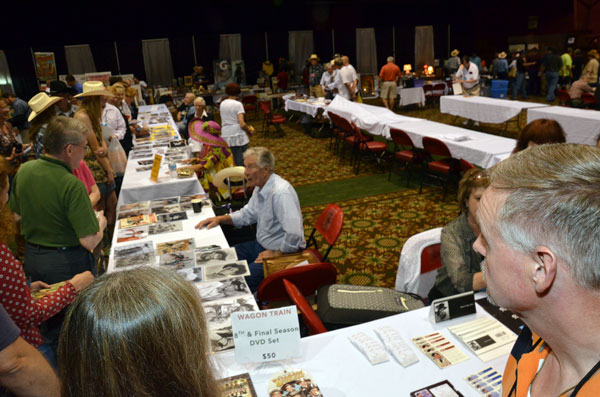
(84, 147)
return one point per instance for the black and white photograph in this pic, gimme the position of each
(194, 274)
(442, 311)
(131, 213)
(145, 247)
(145, 162)
(207, 248)
(141, 154)
(167, 209)
(186, 206)
(221, 338)
(175, 216)
(177, 260)
(220, 271)
(132, 234)
(163, 202)
(143, 168)
(134, 206)
(167, 227)
(135, 260)
(219, 312)
(228, 288)
(188, 199)
(215, 257)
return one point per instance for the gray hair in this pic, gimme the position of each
(390, 59)
(554, 201)
(263, 156)
(62, 131)
(199, 101)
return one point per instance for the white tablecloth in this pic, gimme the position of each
(309, 107)
(374, 119)
(480, 149)
(410, 96)
(484, 109)
(341, 370)
(580, 125)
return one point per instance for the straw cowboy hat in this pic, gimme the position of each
(594, 53)
(91, 88)
(235, 174)
(502, 55)
(41, 102)
(314, 56)
(454, 52)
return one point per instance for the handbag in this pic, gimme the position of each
(512, 73)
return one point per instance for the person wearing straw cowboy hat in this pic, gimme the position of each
(214, 156)
(501, 69)
(42, 111)
(591, 68)
(315, 71)
(93, 98)
(453, 63)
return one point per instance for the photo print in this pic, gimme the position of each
(214, 257)
(175, 216)
(138, 220)
(175, 246)
(163, 202)
(145, 162)
(192, 274)
(141, 154)
(167, 209)
(219, 312)
(227, 270)
(221, 338)
(134, 249)
(167, 227)
(177, 260)
(222, 289)
(132, 234)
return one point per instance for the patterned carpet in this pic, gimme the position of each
(375, 226)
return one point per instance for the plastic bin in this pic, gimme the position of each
(500, 84)
(499, 92)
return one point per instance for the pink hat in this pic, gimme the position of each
(206, 132)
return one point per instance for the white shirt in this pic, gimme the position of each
(349, 75)
(471, 74)
(112, 117)
(231, 130)
(327, 80)
(125, 109)
(339, 84)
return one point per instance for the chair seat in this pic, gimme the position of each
(405, 155)
(444, 166)
(375, 146)
(278, 119)
(316, 256)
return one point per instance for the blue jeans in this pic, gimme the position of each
(249, 251)
(551, 82)
(238, 154)
(519, 86)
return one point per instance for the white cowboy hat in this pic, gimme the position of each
(502, 55)
(314, 56)
(235, 174)
(40, 102)
(91, 88)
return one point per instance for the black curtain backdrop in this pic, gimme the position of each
(131, 58)
(207, 51)
(105, 58)
(278, 47)
(182, 54)
(384, 43)
(345, 43)
(22, 72)
(323, 44)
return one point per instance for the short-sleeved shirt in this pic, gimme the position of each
(552, 62)
(53, 204)
(390, 72)
(84, 174)
(567, 63)
(468, 74)
(231, 130)
(9, 332)
(349, 74)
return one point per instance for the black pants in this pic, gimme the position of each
(53, 265)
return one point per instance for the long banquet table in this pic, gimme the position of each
(580, 125)
(341, 370)
(484, 109)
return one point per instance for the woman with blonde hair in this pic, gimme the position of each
(140, 332)
(90, 110)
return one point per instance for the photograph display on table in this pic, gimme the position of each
(221, 338)
(215, 257)
(222, 289)
(132, 234)
(293, 382)
(145, 162)
(238, 386)
(134, 254)
(134, 206)
(205, 248)
(440, 350)
(193, 274)
(167, 227)
(167, 209)
(163, 202)
(177, 260)
(226, 270)
(175, 216)
(143, 168)
(487, 382)
(486, 337)
(219, 312)
(133, 213)
(175, 246)
(188, 199)
(440, 389)
(141, 154)
(139, 220)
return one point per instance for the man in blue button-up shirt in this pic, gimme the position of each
(275, 209)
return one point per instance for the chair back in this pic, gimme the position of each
(249, 99)
(360, 137)
(311, 320)
(308, 278)
(265, 106)
(439, 89)
(430, 258)
(412, 274)
(401, 138)
(588, 98)
(436, 147)
(465, 165)
(330, 223)
(428, 89)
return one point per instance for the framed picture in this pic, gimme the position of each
(188, 81)
(239, 72)
(512, 48)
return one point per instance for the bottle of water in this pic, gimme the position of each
(173, 169)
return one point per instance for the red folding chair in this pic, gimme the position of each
(366, 144)
(428, 91)
(271, 119)
(465, 165)
(308, 278)
(250, 103)
(438, 90)
(589, 100)
(329, 225)
(444, 168)
(408, 156)
(310, 318)
(564, 98)
(341, 128)
(430, 260)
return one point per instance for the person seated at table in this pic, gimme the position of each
(275, 209)
(577, 89)
(201, 111)
(460, 271)
(539, 132)
(153, 345)
(212, 154)
(468, 76)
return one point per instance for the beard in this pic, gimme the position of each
(489, 298)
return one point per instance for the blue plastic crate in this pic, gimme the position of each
(499, 93)
(499, 84)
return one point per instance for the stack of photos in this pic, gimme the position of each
(218, 316)
(133, 209)
(167, 227)
(175, 246)
(134, 255)
(293, 382)
(440, 389)
(132, 234)
(487, 382)
(177, 260)
(440, 350)
(238, 386)
(167, 209)
(172, 217)
(141, 154)
(163, 202)
(487, 337)
(138, 220)
(215, 256)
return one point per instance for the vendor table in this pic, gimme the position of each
(478, 148)
(341, 370)
(581, 126)
(410, 96)
(484, 109)
(309, 106)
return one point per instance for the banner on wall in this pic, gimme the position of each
(99, 76)
(45, 66)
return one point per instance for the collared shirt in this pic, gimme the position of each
(53, 204)
(390, 72)
(471, 74)
(112, 117)
(327, 80)
(276, 211)
(315, 73)
(349, 75)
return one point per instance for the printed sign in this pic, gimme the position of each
(156, 167)
(266, 335)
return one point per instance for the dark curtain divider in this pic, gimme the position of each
(207, 50)
(253, 54)
(323, 45)
(105, 57)
(182, 55)
(131, 58)
(278, 47)
(345, 43)
(384, 42)
(22, 72)
(405, 45)
(440, 42)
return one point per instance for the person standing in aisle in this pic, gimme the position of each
(389, 75)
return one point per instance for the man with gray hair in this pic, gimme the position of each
(389, 75)
(541, 243)
(186, 113)
(275, 209)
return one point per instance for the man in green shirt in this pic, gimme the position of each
(566, 72)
